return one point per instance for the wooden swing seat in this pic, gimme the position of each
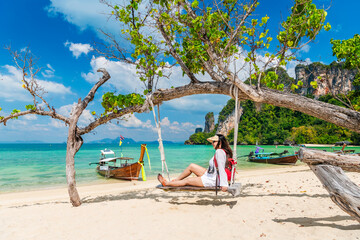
(186, 188)
(234, 189)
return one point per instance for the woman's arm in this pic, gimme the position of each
(221, 161)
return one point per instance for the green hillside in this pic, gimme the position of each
(276, 125)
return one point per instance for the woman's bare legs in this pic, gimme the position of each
(192, 168)
(182, 179)
(192, 181)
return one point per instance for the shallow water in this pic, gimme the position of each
(36, 166)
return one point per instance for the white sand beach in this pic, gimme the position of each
(280, 203)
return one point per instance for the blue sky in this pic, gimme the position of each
(61, 33)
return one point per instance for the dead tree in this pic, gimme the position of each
(328, 167)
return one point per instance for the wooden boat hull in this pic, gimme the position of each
(129, 172)
(285, 160)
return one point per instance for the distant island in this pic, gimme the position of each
(125, 141)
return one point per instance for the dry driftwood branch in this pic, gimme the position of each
(328, 167)
(343, 192)
(313, 157)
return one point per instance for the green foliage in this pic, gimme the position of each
(275, 125)
(227, 110)
(145, 50)
(30, 107)
(200, 138)
(113, 103)
(305, 21)
(14, 112)
(348, 51)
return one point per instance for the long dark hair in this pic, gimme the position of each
(224, 145)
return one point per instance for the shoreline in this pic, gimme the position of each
(278, 203)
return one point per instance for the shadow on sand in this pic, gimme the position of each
(321, 222)
(176, 198)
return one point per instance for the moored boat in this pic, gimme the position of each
(124, 168)
(273, 158)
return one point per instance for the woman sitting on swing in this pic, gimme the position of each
(206, 177)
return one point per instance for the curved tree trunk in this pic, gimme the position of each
(74, 143)
(328, 167)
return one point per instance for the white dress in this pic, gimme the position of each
(209, 178)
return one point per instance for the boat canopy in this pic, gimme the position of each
(109, 159)
(107, 152)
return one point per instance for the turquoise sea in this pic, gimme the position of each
(36, 166)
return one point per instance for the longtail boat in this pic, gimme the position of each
(119, 167)
(273, 158)
(344, 151)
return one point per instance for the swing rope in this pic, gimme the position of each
(234, 92)
(161, 146)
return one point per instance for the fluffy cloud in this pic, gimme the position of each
(130, 121)
(83, 13)
(90, 14)
(11, 90)
(31, 117)
(85, 118)
(123, 76)
(290, 67)
(78, 48)
(49, 72)
(198, 103)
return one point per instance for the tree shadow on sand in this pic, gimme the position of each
(176, 198)
(246, 192)
(321, 222)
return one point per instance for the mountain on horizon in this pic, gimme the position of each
(126, 141)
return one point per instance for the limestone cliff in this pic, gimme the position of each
(209, 122)
(328, 77)
(228, 124)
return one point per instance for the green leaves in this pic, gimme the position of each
(305, 21)
(14, 112)
(314, 84)
(195, 4)
(30, 107)
(113, 103)
(348, 50)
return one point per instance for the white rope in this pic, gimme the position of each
(235, 93)
(161, 146)
(236, 122)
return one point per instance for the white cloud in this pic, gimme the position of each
(30, 117)
(198, 103)
(85, 118)
(130, 121)
(123, 75)
(91, 14)
(305, 49)
(290, 67)
(78, 48)
(48, 73)
(11, 90)
(83, 13)
(57, 123)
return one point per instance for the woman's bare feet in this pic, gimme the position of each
(161, 179)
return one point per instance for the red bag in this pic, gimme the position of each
(228, 169)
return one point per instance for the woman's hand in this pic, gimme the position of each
(224, 189)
